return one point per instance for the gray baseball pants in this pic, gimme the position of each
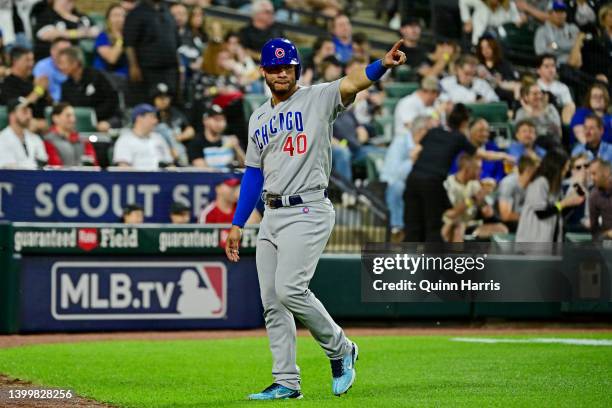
(290, 242)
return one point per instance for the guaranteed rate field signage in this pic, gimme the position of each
(486, 272)
(124, 239)
(100, 196)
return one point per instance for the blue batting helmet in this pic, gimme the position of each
(281, 51)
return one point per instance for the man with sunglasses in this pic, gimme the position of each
(594, 146)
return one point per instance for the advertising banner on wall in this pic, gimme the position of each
(100, 196)
(136, 293)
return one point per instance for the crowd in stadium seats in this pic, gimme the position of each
(499, 123)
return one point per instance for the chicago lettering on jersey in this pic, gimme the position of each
(280, 122)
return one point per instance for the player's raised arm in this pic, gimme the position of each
(358, 79)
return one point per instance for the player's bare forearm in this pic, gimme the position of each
(360, 79)
(352, 84)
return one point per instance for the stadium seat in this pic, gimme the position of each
(389, 103)
(503, 238)
(89, 52)
(98, 19)
(3, 117)
(383, 127)
(305, 53)
(406, 74)
(518, 43)
(252, 102)
(576, 237)
(86, 119)
(494, 112)
(400, 89)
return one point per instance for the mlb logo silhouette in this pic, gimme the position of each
(202, 294)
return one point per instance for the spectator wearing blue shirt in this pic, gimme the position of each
(342, 31)
(594, 146)
(525, 142)
(110, 55)
(596, 102)
(400, 156)
(479, 133)
(47, 68)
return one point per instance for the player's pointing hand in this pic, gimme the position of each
(394, 57)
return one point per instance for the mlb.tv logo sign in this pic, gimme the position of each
(138, 290)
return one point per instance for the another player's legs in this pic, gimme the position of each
(280, 325)
(302, 236)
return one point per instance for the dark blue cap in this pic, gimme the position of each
(558, 5)
(142, 109)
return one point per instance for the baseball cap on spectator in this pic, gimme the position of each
(142, 109)
(132, 207)
(16, 103)
(178, 208)
(160, 89)
(557, 5)
(232, 181)
(213, 110)
(430, 83)
(410, 21)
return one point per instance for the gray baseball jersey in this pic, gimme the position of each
(291, 142)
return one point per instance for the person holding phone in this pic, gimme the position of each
(544, 210)
(577, 183)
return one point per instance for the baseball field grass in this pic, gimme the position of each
(391, 371)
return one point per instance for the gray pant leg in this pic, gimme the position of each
(301, 240)
(280, 323)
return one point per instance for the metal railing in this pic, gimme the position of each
(361, 217)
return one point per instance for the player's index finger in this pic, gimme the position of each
(397, 45)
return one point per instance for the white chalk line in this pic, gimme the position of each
(573, 342)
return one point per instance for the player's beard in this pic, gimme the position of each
(281, 91)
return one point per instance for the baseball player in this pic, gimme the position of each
(289, 158)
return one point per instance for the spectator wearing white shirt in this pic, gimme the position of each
(140, 147)
(547, 80)
(20, 148)
(477, 15)
(465, 87)
(419, 103)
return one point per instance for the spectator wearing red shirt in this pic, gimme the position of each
(63, 144)
(221, 211)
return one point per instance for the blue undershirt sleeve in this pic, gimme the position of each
(250, 190)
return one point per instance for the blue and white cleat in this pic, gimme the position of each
(343, 371)
(276, 391)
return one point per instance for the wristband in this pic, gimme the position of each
(73, 34)
(468, 202)
(446, 56)
(39, 90)
(375, 70)
(119, 42)
(559, 206)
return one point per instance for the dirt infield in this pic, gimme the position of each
(7, 383)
